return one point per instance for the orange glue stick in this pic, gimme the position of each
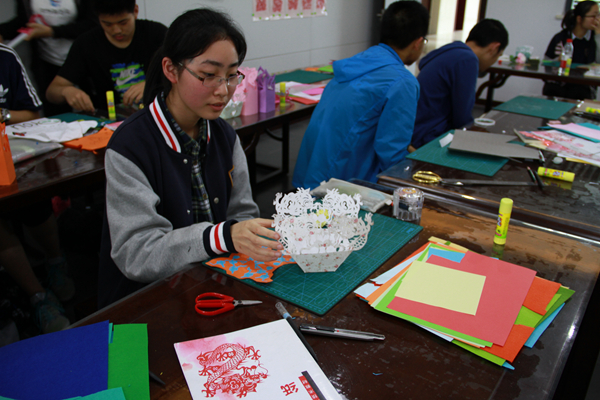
(503, 219)
(556, 174)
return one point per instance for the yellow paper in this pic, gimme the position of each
(442, 287)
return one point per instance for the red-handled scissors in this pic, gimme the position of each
(216, 303)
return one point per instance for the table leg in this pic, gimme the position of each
(490, 92)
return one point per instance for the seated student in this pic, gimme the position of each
(114, 56)
(66, 20)
(448, 79)
(19, 100)
(364, 121)
(177, 184)
(579, 25)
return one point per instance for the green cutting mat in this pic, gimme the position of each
(319, 292)
(481, 164)
(70, 117)
(302, 76)
(535, 107)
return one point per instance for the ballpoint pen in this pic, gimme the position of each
(341, 333)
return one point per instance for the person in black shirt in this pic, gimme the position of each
(578, 25)
(114, 56)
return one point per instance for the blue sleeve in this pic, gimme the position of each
(397, 122)
(463, 91)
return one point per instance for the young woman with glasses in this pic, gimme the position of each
(177, 187)
(578, 25)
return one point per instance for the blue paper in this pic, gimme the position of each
(57, 365)
(541, 328)
(447, 254)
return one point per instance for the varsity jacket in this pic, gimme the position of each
(148, 231)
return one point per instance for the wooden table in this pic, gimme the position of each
(410, 363)
(499, 73)
(570, 208)
(67, 170)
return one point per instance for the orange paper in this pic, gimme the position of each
(540, 294)
(93, 142)
(7, 168)
(243, 267)
(516, 340)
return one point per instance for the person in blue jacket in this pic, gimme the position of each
(448, 79)
(364, 121)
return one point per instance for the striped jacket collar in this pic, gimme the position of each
(159, 113)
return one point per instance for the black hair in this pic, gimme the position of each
(113, 7)
(190, 35)
(581, 9)
(489, 31)
(404, 22)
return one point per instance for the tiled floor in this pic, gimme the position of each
(80, 228)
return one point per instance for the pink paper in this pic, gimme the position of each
(504, 292)
(578, 129)
(314, 91)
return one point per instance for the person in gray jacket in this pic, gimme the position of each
(177, 189)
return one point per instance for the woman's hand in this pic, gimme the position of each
(249, 238)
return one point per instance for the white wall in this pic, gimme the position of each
(285, 44)
(276, 45)
(529, 22)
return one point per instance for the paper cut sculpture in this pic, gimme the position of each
(320, 236)
(243, 267)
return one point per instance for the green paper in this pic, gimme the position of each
(128, 361)
(535, 107)
(302, 76)
(565, 294)
(481, 353)
(433, 153)
(389, 296)
(528, 318)
(327, 68)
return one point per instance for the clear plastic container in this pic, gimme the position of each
(408, 204)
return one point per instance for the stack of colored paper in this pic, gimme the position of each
(94, 362)
(489, 307)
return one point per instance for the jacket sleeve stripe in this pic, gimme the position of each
(164, 127)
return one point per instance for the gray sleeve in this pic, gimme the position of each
(241, 206)
(145, 247)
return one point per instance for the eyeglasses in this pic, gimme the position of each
(593, 16)
(216, 81)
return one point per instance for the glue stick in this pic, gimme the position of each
(556, 174)
(282, 94)
(503, 219)
(110, 101)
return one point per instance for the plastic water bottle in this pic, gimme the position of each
(565, 58)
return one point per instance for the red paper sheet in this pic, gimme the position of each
(504, 292)
(540, 294)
